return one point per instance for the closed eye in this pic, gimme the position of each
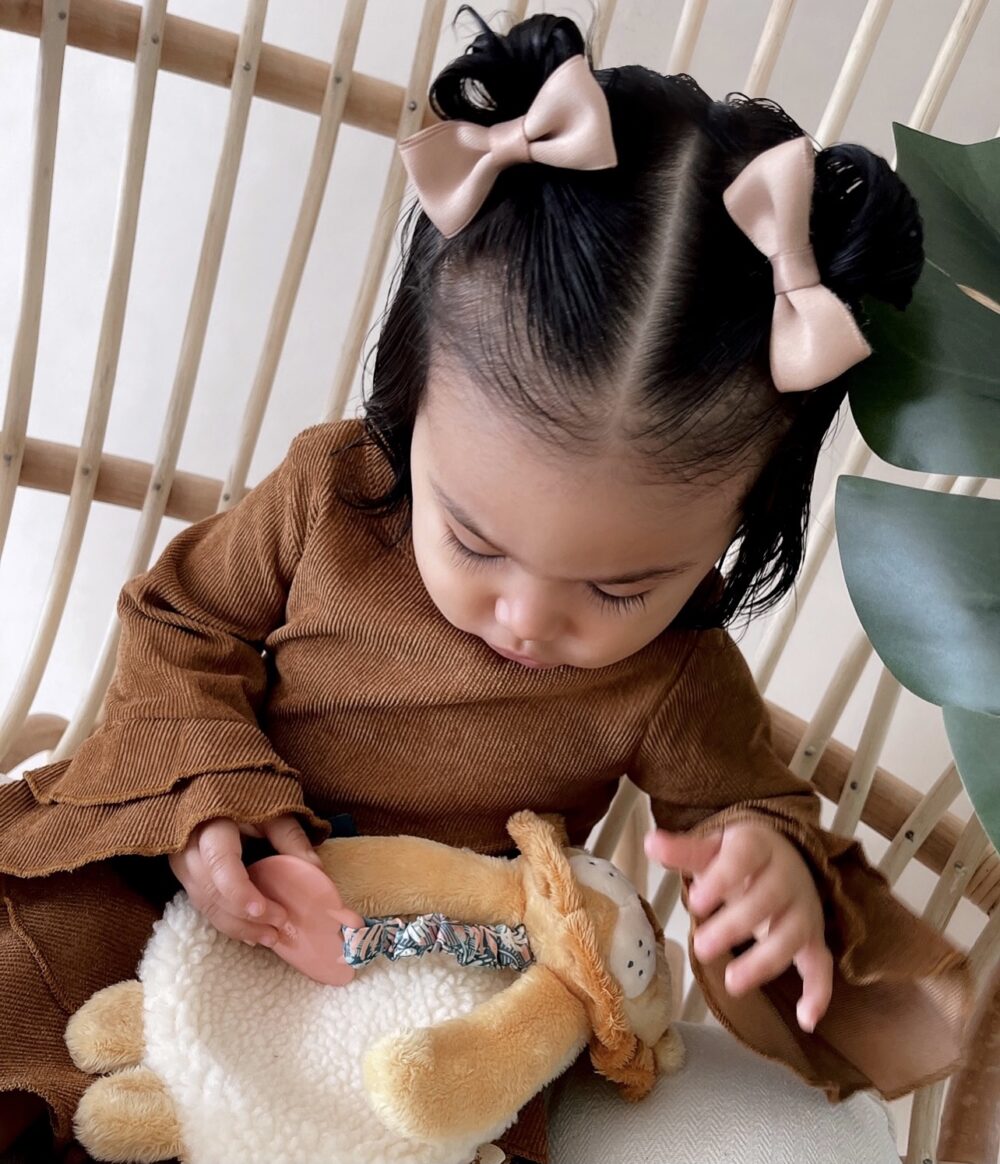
(462, 553)
(618, 602)
(615, 603)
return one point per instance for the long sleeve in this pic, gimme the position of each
(181, 741)
(902, 993)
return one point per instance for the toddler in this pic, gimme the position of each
(614, 347)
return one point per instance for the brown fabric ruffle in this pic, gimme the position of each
(42, 836)
(902, 994)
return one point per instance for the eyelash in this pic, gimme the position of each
(619, 604)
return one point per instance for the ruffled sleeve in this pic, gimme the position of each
(901, 994)
(181, 740)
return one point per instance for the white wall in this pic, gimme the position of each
(186, 134)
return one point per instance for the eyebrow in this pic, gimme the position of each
(655, 573)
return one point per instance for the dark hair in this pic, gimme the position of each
(634, 284)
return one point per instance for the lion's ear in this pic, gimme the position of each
(539, 840)
(558, 823)
(529, 827)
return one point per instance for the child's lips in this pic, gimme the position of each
(524, 660)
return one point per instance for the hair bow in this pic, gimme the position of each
(454, 164)
(814, 337)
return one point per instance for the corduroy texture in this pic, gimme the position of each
(62, 938)
(284, 657)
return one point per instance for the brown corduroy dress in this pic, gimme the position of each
(284, 657)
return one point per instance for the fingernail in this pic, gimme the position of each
(248, 942)
(268, 940)
(315, 858)
(255, 909)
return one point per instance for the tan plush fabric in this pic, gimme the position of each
(285, 657)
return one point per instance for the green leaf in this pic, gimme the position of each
(975, 742)
(923, 568)
(923, 572)
(929, 398)
(958, 190)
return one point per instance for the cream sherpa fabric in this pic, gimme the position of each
(264, 1065)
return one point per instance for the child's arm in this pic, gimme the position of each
(901, 992)
(181, 742)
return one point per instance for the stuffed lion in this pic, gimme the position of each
(223, 1051)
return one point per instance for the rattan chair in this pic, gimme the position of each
(945, 1125)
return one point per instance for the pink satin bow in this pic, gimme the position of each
(454, 164)
(814, 337)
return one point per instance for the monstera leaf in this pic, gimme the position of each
(923, 572)
(923, 568)
(958, 189)
(931, 400)
(975, 742)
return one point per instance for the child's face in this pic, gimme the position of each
(553, 558)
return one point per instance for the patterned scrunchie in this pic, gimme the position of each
(501, 946)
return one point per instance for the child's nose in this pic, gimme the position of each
(530, 615)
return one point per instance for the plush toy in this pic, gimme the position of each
(222, 1051)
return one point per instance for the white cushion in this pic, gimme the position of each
(726, 1105)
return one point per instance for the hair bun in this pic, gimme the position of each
(498, 77)
(867, 231)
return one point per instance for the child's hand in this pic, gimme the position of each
(211, 869)
(766, 892)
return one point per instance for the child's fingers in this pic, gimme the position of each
(814, 963)
(286, 835)
(346, 917)
(743, 855)
(770, 957)
(221, 852)
(189, 870)
(238, 928)
(681, 851)
(738, 919)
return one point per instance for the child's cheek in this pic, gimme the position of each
(458, 595)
